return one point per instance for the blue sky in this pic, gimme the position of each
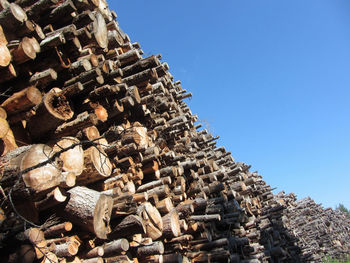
(271, 78)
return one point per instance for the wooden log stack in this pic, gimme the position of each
(102, 160)
(320, 232)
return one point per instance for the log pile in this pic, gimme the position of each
(102, 160)
(320, 232)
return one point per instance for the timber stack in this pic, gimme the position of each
(101, 159)
(320, 233)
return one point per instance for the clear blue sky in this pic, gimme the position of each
(271, 78)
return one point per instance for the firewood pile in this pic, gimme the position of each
(320, 232)
(102, 160)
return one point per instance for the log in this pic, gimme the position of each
(53, 111)
(52, 199)
(4, 128)
(61, 14)
(82, 121)
(83, 19)
(172, 258)
(153, 184)
(93, 260)
(95, 252)
(115, 247)
(12, 17)
(137, 135)
(43, 78)
(68, 249)
(80, 66)
(152, 259)
(5, 55)
(91, 133)
(47, 174)
(71, 154)
(73, 90)
(205, 218)
(99, 31)
(211, 245)
(121, 259)
(141, 77)
(3, 113)
(3, 38)
(156, 248)
(129, 226)
(129, 58)
(171, 224)
(97, 165)
(148, 211)
(85, 77)
(22, 100)
(58, 229)
(141, 65)
(52, 41)
(90, 210)
(7, 73)
(36, 166)
(114, 39)
(50, 258)
(165, 206)
(106, 91)
(37, 8)
(69, 32)
(153, 221)
(25, 50)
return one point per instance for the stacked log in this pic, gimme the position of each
(102, 160)
(321, 233)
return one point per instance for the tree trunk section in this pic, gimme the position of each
(22, 100)
(72, 154)
(53, 111)
(97, 165)
(90, 210)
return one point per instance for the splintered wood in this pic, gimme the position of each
(101, 159)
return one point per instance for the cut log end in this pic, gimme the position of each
(58, 106)
(46, 175)
(102, 216)
(100, 31)
(5, 55)
(72, 154)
